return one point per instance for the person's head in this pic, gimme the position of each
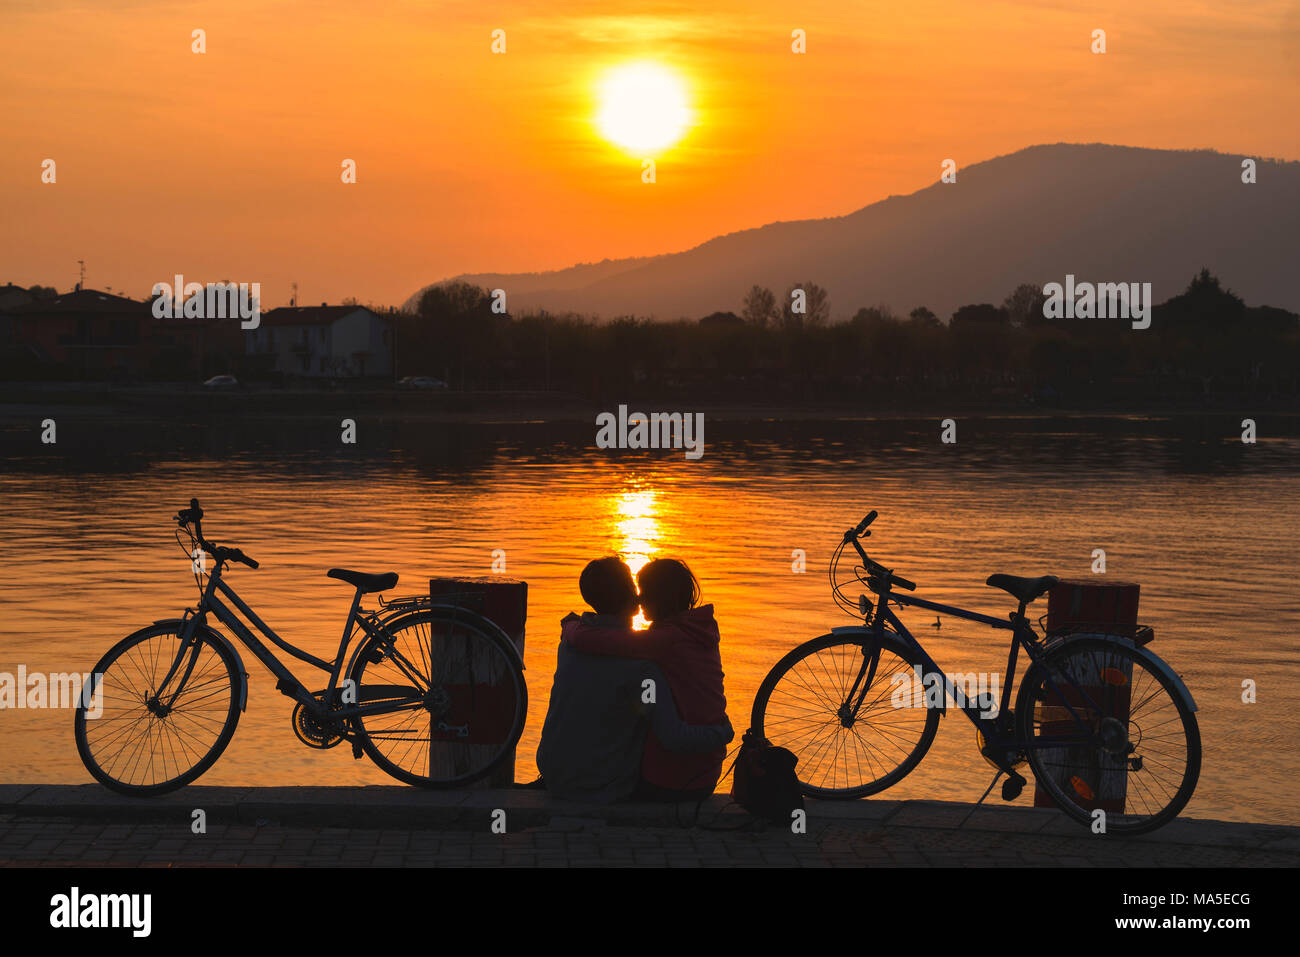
(606, 585)
(667, 588)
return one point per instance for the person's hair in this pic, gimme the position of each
(606, 585)
(668, 588)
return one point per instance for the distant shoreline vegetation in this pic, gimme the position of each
(1202, 343)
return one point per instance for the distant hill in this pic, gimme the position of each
(1104, 213)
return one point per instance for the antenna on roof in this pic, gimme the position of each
(81, 283)
(293, 300)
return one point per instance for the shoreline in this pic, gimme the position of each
(22, 403)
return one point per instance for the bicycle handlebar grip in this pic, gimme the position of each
(862, 525)
(902, 582)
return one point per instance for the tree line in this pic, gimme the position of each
(1205, 341)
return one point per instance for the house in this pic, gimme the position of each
(322, 342)
(89, 334)
(84, 333)
(11, 296)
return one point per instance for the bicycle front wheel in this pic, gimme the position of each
(1107, 730)
(801, 706)
(459, 697)
(138, 742)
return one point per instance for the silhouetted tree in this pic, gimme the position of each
(980, 338)
(1025, 305)
(457, 333)
(816, 307)
(922, 316)
(869, 315)
(759, 306)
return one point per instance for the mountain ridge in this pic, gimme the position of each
(1122, 213)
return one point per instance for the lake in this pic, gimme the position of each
(1206, 524)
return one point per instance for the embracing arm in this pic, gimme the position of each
(674, 733)
(620, 642)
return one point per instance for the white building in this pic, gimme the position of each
(323, 341)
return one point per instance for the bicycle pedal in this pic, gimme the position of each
(1012, 786)
(356, 749)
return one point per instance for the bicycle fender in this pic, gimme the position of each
(218, 638)
(449, 611)
(892, 640)
(1148, 658)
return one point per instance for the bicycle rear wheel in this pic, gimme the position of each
(1144, 757)
(142, 743)
(798, 707)
(461, 696)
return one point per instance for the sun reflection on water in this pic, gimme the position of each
(638, 532)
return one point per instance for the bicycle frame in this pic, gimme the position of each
(1023, 636)
(287, 683)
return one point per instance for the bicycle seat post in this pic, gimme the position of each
(343, 642)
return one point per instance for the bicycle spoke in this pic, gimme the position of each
(135, 748)
(802, 712)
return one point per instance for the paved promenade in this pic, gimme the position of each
(381, 826)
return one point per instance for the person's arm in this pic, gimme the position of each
(674, 733)
(652, 643)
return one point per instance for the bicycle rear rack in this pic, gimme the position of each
(409, 601)
(469, 600)
(1140, 635)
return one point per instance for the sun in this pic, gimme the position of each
(643, 107)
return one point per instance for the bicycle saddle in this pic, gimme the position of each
(363, 582)
(1026, 589)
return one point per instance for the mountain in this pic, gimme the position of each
(1102, 213)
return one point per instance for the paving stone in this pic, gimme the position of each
(857, 834)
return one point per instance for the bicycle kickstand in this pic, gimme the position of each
(1011, 787)
(989, 789)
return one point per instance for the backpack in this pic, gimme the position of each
(765, 784)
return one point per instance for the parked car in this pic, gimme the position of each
(420, 382)
(222, 382)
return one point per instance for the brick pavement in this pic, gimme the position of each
(397, 827)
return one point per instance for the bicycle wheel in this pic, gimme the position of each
(139, 745)
(798, 707)
(463, 699)
(1142, 766)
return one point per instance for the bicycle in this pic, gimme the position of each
(1102, 722)
(433, 692)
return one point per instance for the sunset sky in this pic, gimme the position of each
(226, 165)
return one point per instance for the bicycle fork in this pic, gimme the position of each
(870, 662)
(190, 623)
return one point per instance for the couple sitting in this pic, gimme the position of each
(610, 734)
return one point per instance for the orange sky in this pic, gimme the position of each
(226, 165)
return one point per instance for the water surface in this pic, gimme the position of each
(1206, 525)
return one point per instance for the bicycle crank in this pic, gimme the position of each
(311, 731)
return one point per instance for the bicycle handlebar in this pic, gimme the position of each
(194, 515)
(872, 566)
(191, 514)
(235, 555)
